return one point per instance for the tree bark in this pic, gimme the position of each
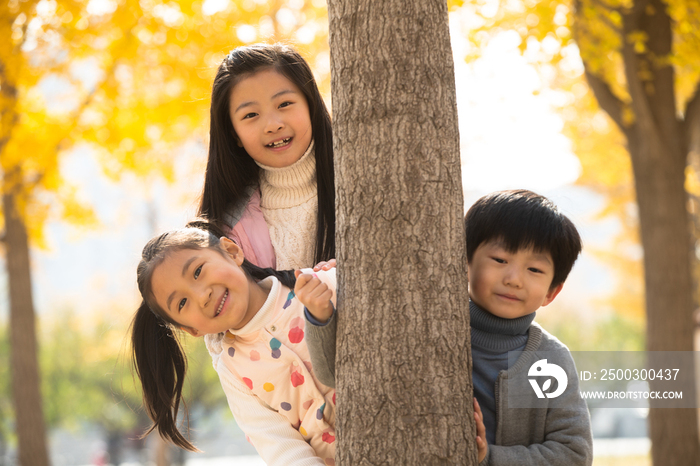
(403, 360)
(659, 157)
(669, 291)
(29, 417)
(658, 143)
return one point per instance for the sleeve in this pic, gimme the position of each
(249, 230)
(277, 442)
(567, 437)
(320, 340)
(321, 343)
(312, 320)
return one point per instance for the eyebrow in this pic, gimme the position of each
(252, 102)
(185, 266)
(537, 256)
(542, 257)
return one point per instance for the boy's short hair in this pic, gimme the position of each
(523, 219)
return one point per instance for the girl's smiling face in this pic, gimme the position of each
(271, 118)
(205, 291)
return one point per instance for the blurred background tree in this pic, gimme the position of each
(131, 79)
(640, 64)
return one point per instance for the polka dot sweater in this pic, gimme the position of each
(273, 393)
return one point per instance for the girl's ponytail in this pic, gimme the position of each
(286, 277)
(160, 364)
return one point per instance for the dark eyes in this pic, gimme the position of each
(253, 114)
(183, 301)
(503, 261)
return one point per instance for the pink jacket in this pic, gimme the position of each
(250, 232)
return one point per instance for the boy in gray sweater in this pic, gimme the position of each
(520, 249)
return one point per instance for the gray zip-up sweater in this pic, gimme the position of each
(558, 434)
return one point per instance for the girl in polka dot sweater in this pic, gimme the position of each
(198, 280)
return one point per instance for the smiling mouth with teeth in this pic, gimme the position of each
(221, 305)
(279, 143)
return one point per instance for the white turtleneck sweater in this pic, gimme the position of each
(289, 203)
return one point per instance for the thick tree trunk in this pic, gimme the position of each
(658, 143)
(29, 417)
(669, 291)
(659, 152)
(404, 366)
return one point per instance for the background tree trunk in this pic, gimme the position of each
(669, 291)
(29, 416)
(404, 365)
(659, 143)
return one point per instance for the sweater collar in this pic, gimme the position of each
(289, 186)
(266, 311)
(487, 322)
(493, 333)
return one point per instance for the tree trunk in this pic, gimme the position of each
(658, 143)
(659, 158)
(29, 416)
(403, 360)
(669, 291)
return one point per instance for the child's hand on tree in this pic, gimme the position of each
(481, 446)
(323, 265)
(314, 294)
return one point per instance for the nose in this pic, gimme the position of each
(513, 277)
(204, 296)
(274, 124)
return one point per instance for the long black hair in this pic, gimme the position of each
(231, 171)
(157, 354)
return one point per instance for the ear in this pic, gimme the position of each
(232, 249)
(551, 294)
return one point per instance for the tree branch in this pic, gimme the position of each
(609, 102)
(90, 95)
(604, 5)
(691, 119)
(644, 116)
(75, 117)
(603, 16)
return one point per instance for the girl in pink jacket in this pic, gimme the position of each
(269, 180)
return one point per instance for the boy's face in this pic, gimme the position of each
(510, 285)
